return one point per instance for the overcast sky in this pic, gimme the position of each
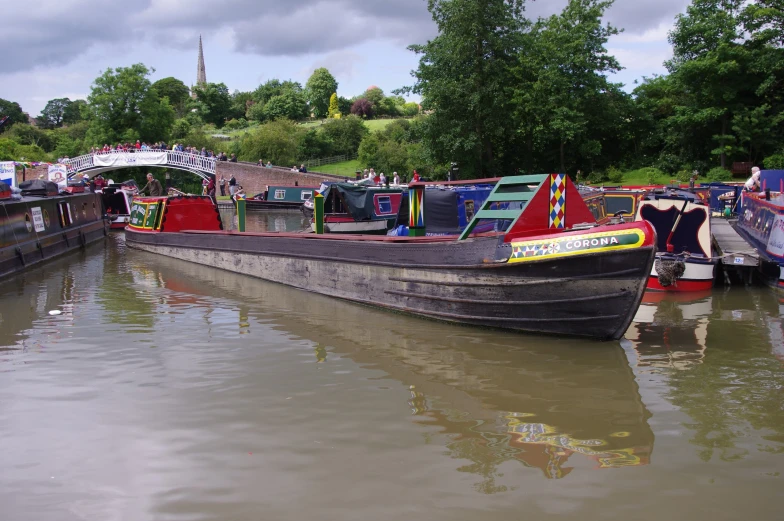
(56, 48)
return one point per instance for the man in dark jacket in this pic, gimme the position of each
(153, 185)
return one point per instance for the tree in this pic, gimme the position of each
(215, 103)
(26, 134)
(562, 79)
(240, 103)
(177, 92)
(13, 111)
(53, 113)
(124, 106)
(375, 96)
(345, 134)
(74, 112)
(275, 141)
(362, 108)
(319, 88)
(334, 111)
(289, 105)
(464, 78)
(344, 105)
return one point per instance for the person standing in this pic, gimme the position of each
(222, 185)
(395, 178)
(232, 185)
(153, 186)
(753, 182)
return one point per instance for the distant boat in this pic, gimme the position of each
(281, 197)
(553, 270)
(116, 200)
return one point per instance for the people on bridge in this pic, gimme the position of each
(153, 186)
(303, 169)
(233, 159)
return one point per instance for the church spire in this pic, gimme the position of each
(201, 71)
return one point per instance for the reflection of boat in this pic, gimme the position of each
(279, 197)
(43, 224)
(761, 223)
(494, 398)
(671, 331)
(585, 282)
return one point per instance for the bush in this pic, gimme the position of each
(614, 175)
(683, 176)
(235, 124)
(669, 163)
(719, 174)
(774, 162)
(597, 176)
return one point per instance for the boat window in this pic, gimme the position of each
(469, 209)
(384, 204)
(280, 194)
(621, 203)
(65, 214)
(306, 194)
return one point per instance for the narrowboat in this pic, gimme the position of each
(116, 199)
(761, 223)
(553, 271)
(41, 223)
(358, 209)
(278, 197)
(685, 260)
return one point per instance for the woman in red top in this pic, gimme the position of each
(415, 179)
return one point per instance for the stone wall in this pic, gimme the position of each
(254, 179)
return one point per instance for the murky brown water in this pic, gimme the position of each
(172, 391)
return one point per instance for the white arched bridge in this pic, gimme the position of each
(94, 164)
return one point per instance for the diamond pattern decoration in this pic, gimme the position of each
(557, 200)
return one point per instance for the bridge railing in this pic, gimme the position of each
(204, 164)
(173, 158)
(79, 163)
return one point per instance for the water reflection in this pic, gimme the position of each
(724, 376)
(167, 390)
(494, 397)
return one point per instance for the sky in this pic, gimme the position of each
(56, 48)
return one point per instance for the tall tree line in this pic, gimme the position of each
(508, 94)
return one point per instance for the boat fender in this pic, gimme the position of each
(669, 271)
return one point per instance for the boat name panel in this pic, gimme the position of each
(576, 245)
(776, 240)
(38, 219)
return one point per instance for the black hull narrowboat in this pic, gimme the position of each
(470, 282)
(44, 224)
(580, 282)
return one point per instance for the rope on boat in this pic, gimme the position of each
(669, 271)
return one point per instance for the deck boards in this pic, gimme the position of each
(731, 247)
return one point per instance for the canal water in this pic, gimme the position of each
(136, 387)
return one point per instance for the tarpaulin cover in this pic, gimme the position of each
(359, 199)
